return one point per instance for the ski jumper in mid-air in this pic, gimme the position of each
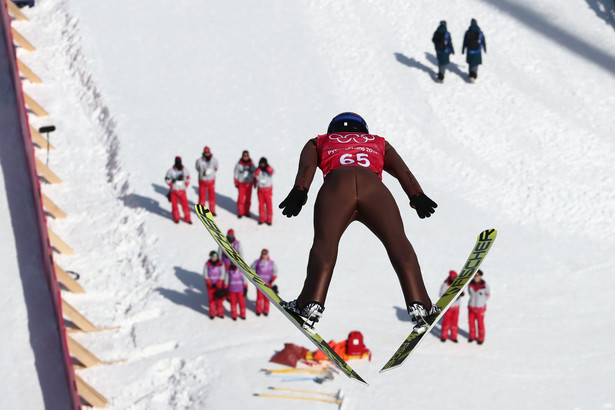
(352, 161)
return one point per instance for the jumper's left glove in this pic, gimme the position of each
(423, 205)
(293, 203)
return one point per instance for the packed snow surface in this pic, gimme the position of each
(528, 150)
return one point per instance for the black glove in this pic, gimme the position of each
(275, 289)
(423, 205)
(220, 293)
(293, 203)
(245, 291)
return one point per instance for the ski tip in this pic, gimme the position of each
(360, 380)
(386, 369)
(488, 234)
(354, 376)
(200, 209)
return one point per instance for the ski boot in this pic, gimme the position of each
(311, 313)
(420, 316)
(440, 77)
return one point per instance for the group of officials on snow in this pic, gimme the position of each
(224, 281)
(246, 177)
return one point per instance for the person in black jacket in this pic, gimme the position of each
(474, 41)
(444, 47)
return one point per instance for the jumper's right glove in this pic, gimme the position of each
(423, 205)
(293, 203)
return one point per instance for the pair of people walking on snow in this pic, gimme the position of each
(473, 40)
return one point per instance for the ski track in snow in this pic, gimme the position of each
(527, 149)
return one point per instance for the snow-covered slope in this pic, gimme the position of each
(526, 150)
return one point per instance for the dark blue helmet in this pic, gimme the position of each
(348, 122)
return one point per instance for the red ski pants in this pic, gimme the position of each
(450, 322)
(262, 303)
(215, 305)
(179, 196)
(244, 198)
(237, 298)
(476, 315)
(265, 209)
(207, 192)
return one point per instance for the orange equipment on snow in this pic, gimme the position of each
(351, 348)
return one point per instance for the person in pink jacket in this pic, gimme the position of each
(230, 236)
(450, 319)
(477, 306)
(268, 271)
(237, 287)
(213, 272)
(264, 188)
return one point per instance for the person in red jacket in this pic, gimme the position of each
(244, 181)
(450, 319)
